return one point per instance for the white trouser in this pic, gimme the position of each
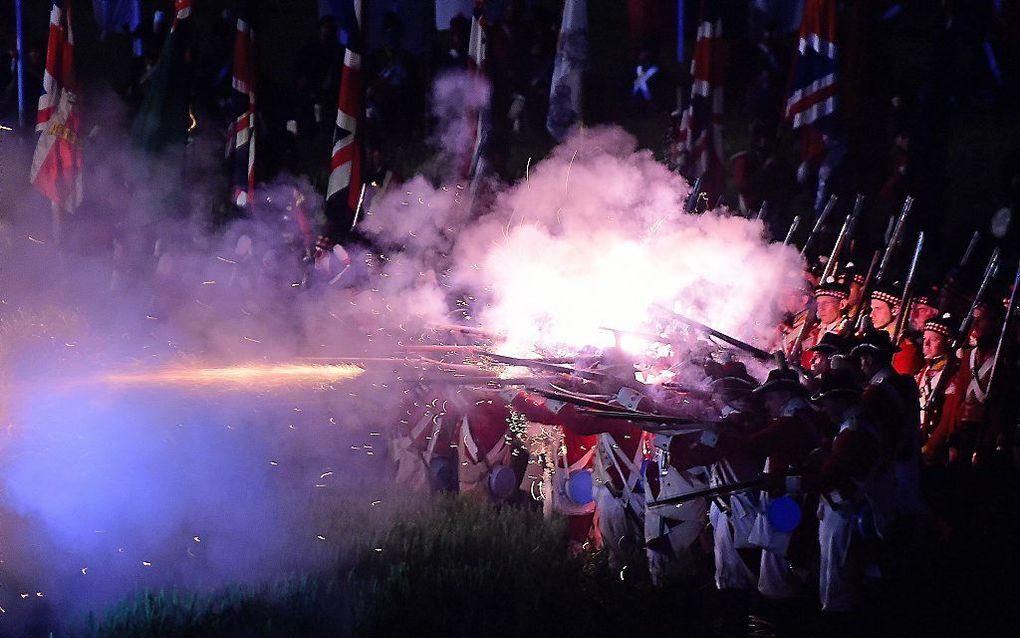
(411, 469)
(730, 570)
(619, 530)
(839, 577)
(778, 579)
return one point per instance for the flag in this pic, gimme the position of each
(57, 164)
(447, 10)
(344, 186)
(571, 60)
(477, 44)
(811, 106)
(122, 16)
(165, 116)
(242, 135)
(699, 141)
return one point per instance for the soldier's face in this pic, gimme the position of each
(881, 314)
(982, 324)
(919, 314)
(855, 294)
(792, 301)
(819, 363)
(828, 308)
(934, 345)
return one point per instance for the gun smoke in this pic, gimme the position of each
(109, 489)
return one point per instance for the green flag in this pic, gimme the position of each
(165, 115)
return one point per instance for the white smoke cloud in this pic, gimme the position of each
(106, 480)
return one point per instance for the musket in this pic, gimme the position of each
(908, 291)
(581, 401)
(450, 327)
(692, 200)
(793, 228)
(762, 211)
(990, 270)
(819, 223)
(440, 348)
(757, 353)
(953, 274)
(855, 324)
(970, 250)
(843, 238)
(545, 366)
(683, 389)
(659, 422)
(830, 267)
(649, 417)
(950, 370)
(1005, 330)
(894, 240)
(729, 488)
(476, 380)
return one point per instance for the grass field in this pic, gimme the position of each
(443, 567)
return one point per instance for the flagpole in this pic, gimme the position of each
(680, 31)
(20, 49)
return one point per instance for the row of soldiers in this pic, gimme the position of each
(809, 478)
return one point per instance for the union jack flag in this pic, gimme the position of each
(344, 186)
(699, 141)
(57, 164)
(241, 142)
(812, 103)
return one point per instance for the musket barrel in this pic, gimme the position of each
(904, 316)
(793, 228)
(894, 241)
(1005, 330)
(819, 223)
(990, 269)
(757, 353)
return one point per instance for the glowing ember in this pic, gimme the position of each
(244, 375)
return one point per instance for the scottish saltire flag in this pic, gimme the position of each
(571, 60)
(699, 141)
(812, 104)
(57, 164)
(242, 136)
(344, 186)
(165, 115)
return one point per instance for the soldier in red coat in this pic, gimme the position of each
(830, 304)
(970, 425)
(850, 484)
(572, 454)
(885, 308)
(891, 402)
(939, 367)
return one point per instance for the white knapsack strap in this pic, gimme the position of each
(975, 388)
(430, 451)
(630, 481)
(469, 441)
(580, 463)
(419, 427)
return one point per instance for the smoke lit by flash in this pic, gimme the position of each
(246, 376)
(105, 491)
